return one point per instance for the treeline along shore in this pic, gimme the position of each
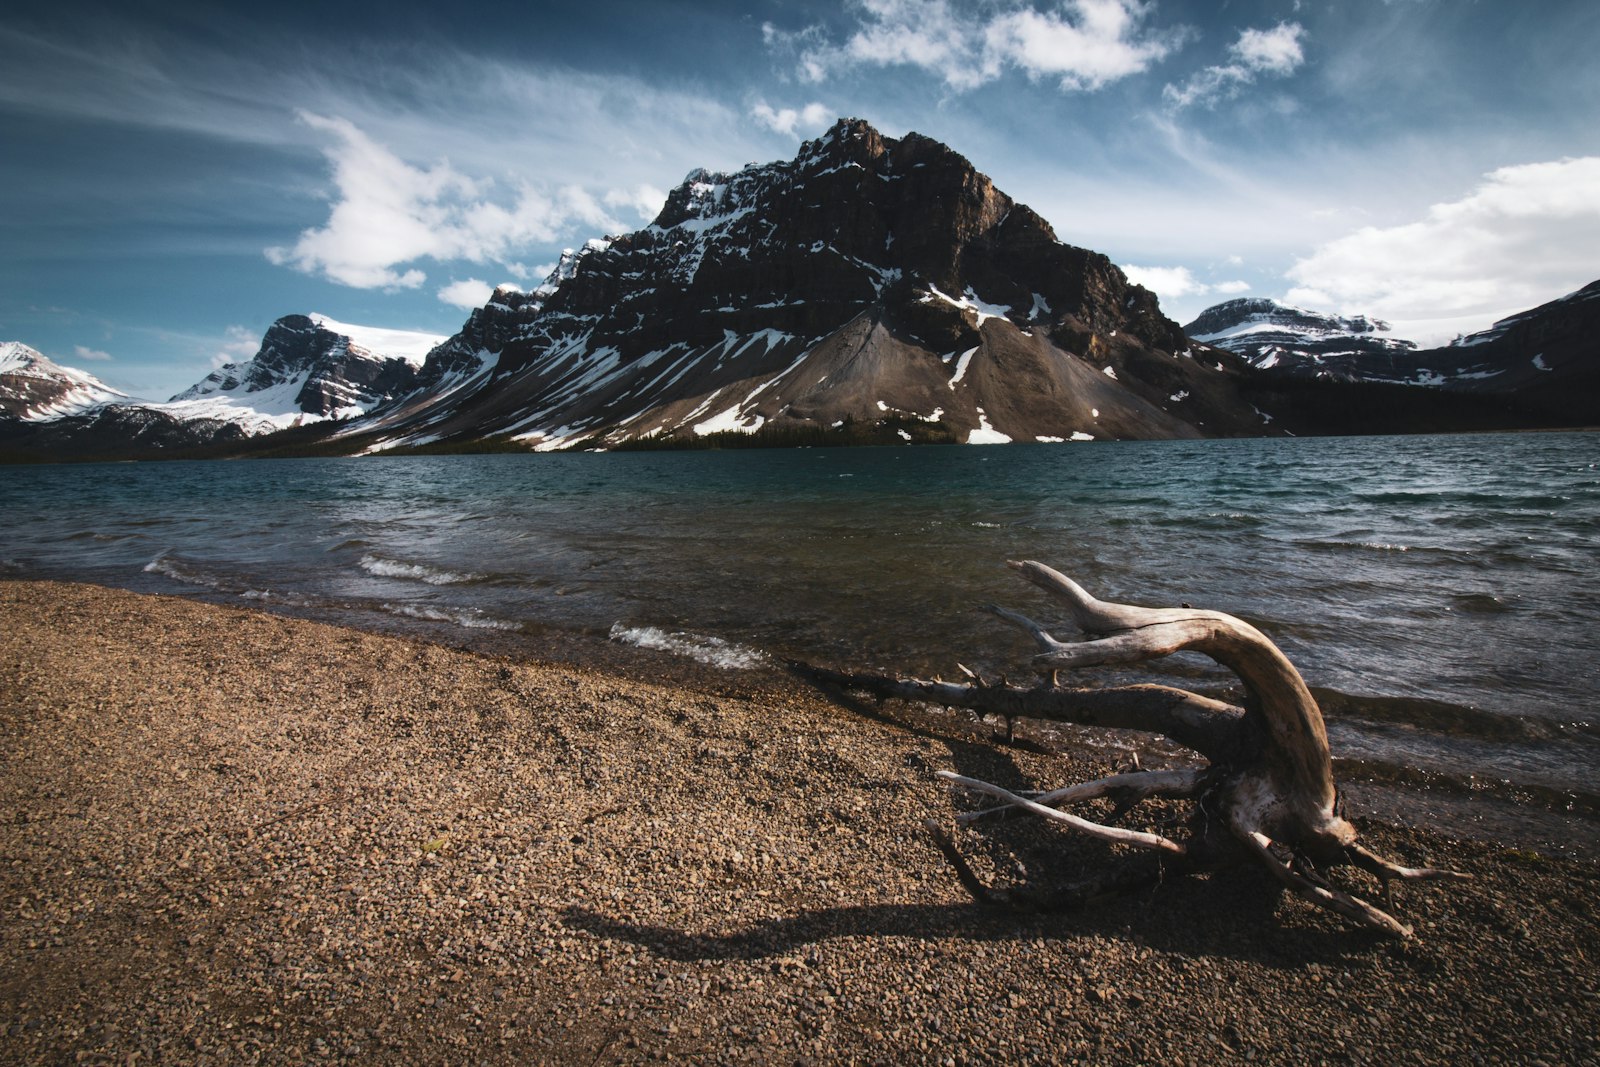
(234, 837)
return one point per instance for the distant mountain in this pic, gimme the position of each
(308, 368)
(34, 388)
(1553, 347)
(1515, 354)
(1271, 335)
(868, 285)
(1538, 368)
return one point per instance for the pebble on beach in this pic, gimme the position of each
(235, 837)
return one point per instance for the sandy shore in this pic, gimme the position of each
(233, 837)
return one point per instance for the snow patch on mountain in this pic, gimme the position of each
(970, 301)
(412, 346)
(256, 411)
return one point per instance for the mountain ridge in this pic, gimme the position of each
(870, 289)
(1518, 354)
(701, 321)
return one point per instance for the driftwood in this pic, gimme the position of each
(1266, 795)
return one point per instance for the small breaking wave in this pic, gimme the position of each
(181, 570)
(419, 572)
(293, 600)
(471, 618)
(712, 651)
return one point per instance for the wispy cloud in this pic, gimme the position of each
(644, 200)
(94, 355)
(1257, 53)
(502, 125)
(791, 121)
(112, 72)
(391, 213)
(1526, 234)
(1172, 283)
(237, 345)
(1081, 44)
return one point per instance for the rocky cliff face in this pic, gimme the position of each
(868, 279)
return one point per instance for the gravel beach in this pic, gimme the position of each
(232, 837)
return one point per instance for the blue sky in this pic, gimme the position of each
(175, 178)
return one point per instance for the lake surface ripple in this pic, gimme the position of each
(1439, 593)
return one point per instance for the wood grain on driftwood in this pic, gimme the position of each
(1266, 794)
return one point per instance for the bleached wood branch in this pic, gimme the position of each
(1115, 834)
(1135, 787)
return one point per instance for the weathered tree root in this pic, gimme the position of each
(1268, 792)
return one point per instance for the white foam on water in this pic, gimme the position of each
(712, 651)
(180, 571)
(471, 618)
(421, 572)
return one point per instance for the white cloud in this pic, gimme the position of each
(791, 122)
(1085, 44)
(468, 293)
(1275, 52)
(238, 346)
(92, 354)
(643, 200)
(1173, 284)
(1525, 235)
(390, 213)
(1165, 281)
(1101, 46)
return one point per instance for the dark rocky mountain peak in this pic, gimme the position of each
(868, 280)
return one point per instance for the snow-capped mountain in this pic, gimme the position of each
(34, 388)
(868, 281)
(308, 368)
(1271, 335)
(1520, 356)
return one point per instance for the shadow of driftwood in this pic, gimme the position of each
(1220, 916)
(1224, 914)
